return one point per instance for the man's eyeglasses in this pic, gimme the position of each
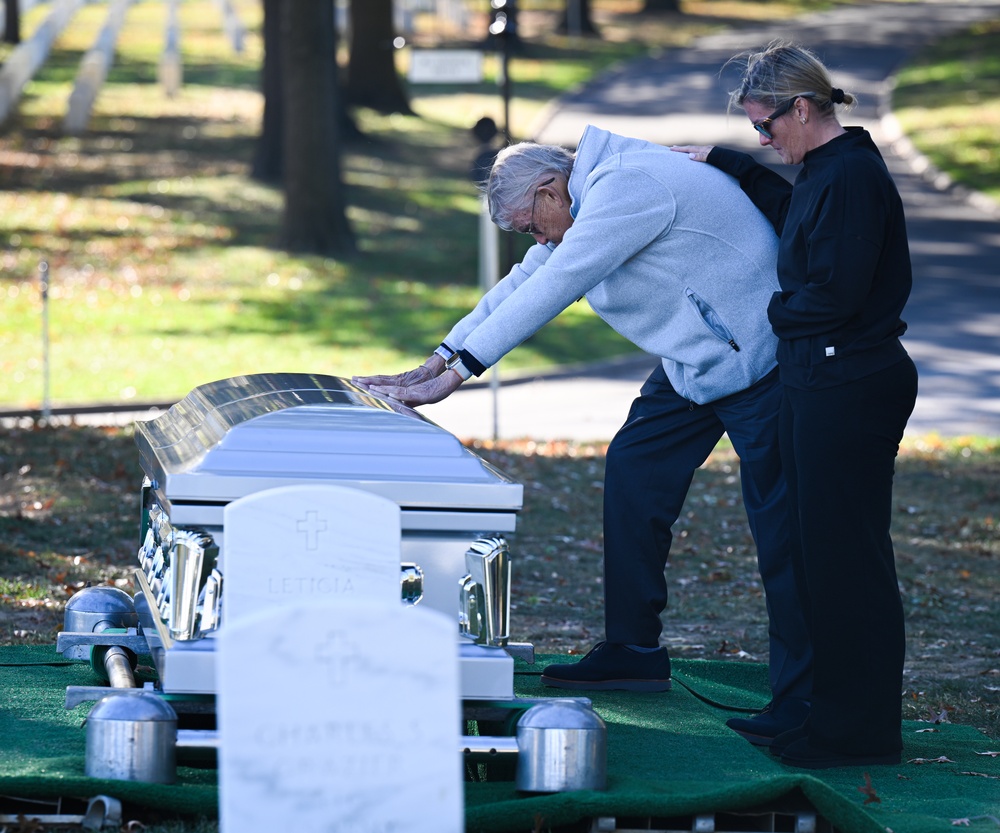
(534, 200)
(764, 126)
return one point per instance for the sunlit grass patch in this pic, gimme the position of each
(947, 100)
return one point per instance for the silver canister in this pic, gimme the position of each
(132, 737)
(562, 746)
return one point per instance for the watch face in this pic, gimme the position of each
(455, 363)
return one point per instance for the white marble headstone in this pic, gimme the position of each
(296, 543)
(340, 718)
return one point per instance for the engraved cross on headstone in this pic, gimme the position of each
(311, 526)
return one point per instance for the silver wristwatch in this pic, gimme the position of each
(455, 363)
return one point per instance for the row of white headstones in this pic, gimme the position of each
(337, 711)
(29, 56)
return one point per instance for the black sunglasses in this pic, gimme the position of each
(764, 126)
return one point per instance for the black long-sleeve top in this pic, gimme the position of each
(843, 259)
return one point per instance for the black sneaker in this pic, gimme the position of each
(778, 717)
(610, 666)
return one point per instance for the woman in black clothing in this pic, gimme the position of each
(844, 272)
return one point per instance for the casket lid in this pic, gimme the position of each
(236, 436)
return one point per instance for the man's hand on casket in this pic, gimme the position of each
(428, 370)
(423, 393)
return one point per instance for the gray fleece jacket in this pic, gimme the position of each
(670, 253)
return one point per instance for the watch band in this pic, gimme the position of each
(455, 363)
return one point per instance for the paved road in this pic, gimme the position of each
(678, 97)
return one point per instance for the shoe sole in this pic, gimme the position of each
(608, 685)
(842, 761)
(756, 740)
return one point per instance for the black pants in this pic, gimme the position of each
(650, 464)
(838, 448)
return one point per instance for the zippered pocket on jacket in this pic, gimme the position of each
(711, 319)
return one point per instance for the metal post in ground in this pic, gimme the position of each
(489, 255)
(43, 282)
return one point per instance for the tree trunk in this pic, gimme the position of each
(577, 19)
(659, 6)
(372, 80)
(269, 153)
(315, 218)
(12, 21)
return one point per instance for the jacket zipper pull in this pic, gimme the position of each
(734, 345)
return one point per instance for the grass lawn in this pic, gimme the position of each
(948, 101)
(69, 515)
(157, 247)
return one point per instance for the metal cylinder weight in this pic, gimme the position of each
(96, 609)
(562, 746)
(131, 736)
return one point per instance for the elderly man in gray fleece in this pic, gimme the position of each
(675, 258)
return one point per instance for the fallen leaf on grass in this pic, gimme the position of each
(869, 791)
(729, 649)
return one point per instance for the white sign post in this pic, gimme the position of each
(489, 275)
(445, 66)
